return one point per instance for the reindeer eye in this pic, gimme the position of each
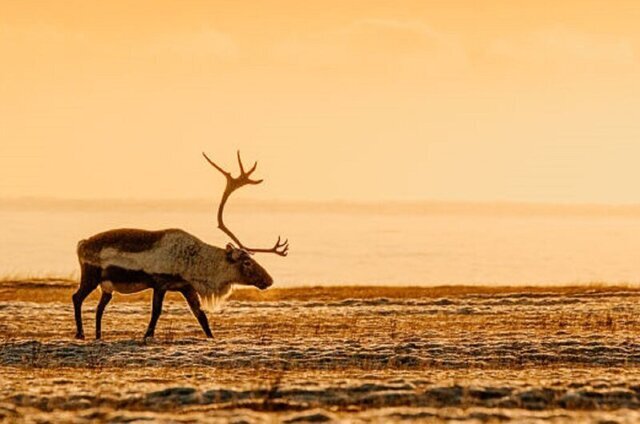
(247, 263)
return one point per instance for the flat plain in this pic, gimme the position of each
(352, 354)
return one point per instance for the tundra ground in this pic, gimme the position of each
(323, 354)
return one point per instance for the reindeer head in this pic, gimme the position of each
(249, 271)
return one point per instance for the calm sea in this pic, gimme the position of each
(341, 243)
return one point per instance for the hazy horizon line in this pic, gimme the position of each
(425, 206)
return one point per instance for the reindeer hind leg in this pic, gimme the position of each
(89, 280)
(156, 310)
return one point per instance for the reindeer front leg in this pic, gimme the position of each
(158, 298)
(104, 301)
(193, 300)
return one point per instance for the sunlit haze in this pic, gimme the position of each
(348, 100)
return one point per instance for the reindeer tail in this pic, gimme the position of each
(79, 249)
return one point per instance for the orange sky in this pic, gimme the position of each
(364, 100)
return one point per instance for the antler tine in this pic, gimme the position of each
(244, 175)
(225, 173)
(253, 168)
(240, 163)
(284, 245)
(280, 248)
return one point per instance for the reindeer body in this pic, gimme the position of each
(134, 260)
(130, 260)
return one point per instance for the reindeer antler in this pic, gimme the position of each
(280, 248)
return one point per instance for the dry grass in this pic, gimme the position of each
(378, 354)
(43, 290)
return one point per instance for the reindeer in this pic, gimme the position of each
(131, 260)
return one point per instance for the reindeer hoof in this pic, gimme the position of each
(79, 336)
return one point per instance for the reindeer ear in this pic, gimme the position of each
(232, 253)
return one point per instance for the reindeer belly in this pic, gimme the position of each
(124, 288)
(123, 280)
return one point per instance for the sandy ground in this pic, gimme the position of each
(315, 355)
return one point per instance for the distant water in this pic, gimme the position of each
(409, 244)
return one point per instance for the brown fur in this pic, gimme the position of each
(126, 240)
(129, 260)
